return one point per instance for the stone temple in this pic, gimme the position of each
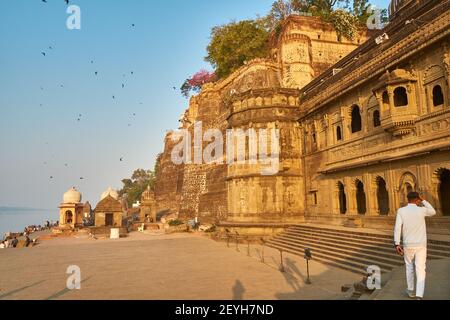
(361, 123)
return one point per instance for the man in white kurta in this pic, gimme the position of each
(412, 226)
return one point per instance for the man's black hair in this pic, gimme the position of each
(413, 196)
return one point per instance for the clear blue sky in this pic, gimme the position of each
(41, 98)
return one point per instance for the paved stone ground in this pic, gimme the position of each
(174, 267)
(437, 288)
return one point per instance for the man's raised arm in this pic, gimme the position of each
(429, 210)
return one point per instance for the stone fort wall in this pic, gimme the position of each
(314, 89)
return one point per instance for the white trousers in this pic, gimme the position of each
(416, 267)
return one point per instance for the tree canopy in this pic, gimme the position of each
(235, 43)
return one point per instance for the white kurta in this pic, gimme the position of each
(411, 224)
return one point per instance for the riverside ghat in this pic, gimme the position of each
(111, 217)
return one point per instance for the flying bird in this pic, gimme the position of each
(132, 72)
(96, 72)
(44, 1)
(121, 159)
(113, 97)
(123, 86)
(81, 178)
(67, 1)
(43, 53)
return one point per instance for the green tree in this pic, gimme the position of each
(361, 10)
(134, 187)
(235, 43)
(280, 10)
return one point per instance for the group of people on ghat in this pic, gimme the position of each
(11, 239)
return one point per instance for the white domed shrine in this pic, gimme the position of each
(72, 196)
(110, 192)
(71, 210)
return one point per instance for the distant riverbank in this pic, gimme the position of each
(15, 219)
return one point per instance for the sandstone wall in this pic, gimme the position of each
(169, 180)
(253, 97)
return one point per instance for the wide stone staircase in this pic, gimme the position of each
(348, 249)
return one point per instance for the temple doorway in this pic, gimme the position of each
(361, 198)
(69, 217)
(109, 220)
(342, 198)
(444, 192)
(382, 197)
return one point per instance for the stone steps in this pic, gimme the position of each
(434, 252)
(346, 249)
(367, 237)
(330, 254)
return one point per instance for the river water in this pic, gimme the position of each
(16, 219)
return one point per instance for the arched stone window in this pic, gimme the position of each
(408, 183)
(315, 199)
(338, 133)
(342, 198)
(438, 96)
(385, 98)
(356, 119)
(314, 142)
(361, 198)
(400, 97)
(382, 197)
(69, 217)
(376, 119)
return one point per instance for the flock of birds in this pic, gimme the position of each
(80, 116)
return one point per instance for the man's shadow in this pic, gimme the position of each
(238, 291)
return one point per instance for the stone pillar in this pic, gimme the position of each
(336, 202)
(392, 191)
(351, 201)
(373, 199)
(434, 194)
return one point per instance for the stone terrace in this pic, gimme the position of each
(162, 267)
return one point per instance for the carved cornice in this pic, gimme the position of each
(389, 154)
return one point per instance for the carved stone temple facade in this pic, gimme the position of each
(361, 124)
